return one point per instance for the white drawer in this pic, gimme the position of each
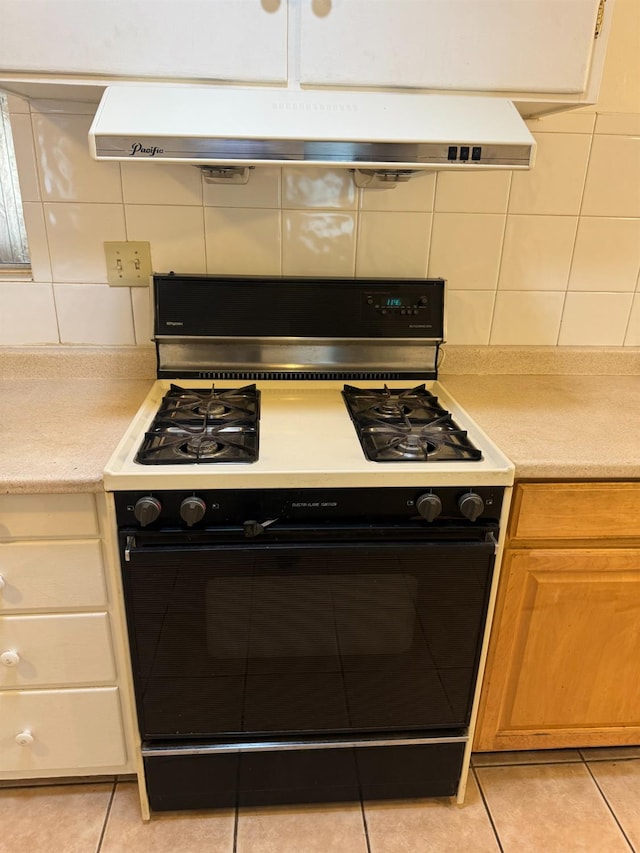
(51, 575)
(61, 729)
(29, 516)
(55, 650)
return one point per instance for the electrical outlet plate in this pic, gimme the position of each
(128, 264)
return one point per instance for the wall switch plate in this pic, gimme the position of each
(128, 264)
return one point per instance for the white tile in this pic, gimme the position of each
(242, 241)
(469, 315)
(17, 104)
(606, 255)
(572, 121)
(94, 314)
(261, 190)
(473, 192)
(161, 183)
(318, 243)
(537, 252)
(632, 338)
(523, 318)
(466, 248)
(22, 133)
(627, 124)
(67, 172)
(77, 233)
(595, 319)
(613, 177)
(50, 106)
(37, 239)
(175, 235)
(415, 194)
(555, 183)
(142, 314)
(308, 187)
(27, 314)
(393, 244)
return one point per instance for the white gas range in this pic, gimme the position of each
(309, 534)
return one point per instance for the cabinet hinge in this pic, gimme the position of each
(599, 18)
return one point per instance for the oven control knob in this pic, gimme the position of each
(147, 510)
(471, 506)
(429, 506)
(192, 510)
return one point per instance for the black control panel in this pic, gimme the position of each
(228, 306)
(185, 509)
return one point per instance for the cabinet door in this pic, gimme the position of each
(73, 730)
(209, 39)
(74, 648)
(563, 659)
(526, 46)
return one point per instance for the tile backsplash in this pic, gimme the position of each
(547, 257)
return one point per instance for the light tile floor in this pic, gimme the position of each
(555, 801)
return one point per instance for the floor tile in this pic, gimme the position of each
(166, 832)
(65, 818)
(301, 829)
(426, 826)
(610, 753)
(552, 807)
(526, 756)
(619, 781)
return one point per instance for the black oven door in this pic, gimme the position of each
(260, 638)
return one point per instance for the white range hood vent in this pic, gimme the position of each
(388, 135)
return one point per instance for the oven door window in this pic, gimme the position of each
(254, 640)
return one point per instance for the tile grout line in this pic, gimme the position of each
(613, 814)
(487, 809)
(235, 828)
(106, 816)
(366, 828)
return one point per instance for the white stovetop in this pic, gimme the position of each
(307, 440)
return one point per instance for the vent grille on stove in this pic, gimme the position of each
(293, 374)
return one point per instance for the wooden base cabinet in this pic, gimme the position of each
(564, 657)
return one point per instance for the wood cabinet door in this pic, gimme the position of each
(243, 40)
(564, 658)
(539, 46)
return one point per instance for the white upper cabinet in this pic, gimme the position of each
(542, 54)
(531, 48)
(242, 40)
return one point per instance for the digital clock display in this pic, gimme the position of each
(394, 302)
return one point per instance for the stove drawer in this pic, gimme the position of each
(543, 511)
(39, 651)
(51, 575)
(58, 730)
(192, 779)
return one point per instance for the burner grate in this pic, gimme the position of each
(202, 425)
(408, 425)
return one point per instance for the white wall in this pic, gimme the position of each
(546, 257)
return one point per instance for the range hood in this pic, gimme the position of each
(225, 126)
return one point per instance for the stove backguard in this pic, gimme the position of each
(216, 327)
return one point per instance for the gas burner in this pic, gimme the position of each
(407, 425)
(202, 446)
(413, 446)
(201, 425)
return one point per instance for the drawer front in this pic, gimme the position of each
(55, 650)
(51, 575)
(31, 516)
(576, 511)
(60, 729)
